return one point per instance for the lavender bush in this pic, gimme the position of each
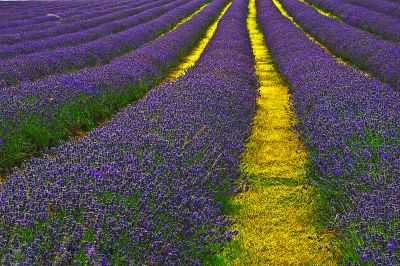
(100, 51)
(144, 188)
(98, 8)
(382, 25)
(105, 22)
(386, 7)
(30, 9)
(350, 124)
(31, 15)
(379, 57)
(151, 11)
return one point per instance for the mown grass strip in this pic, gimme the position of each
(322, 12)
(188, 17)
(276, 217)
(194, 55)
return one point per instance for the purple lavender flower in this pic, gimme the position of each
(365, 257)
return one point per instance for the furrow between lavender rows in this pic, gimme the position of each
(145, 188)
(350, 125)
(64, 19)
(72, 35)
(364, 50)
(68, 59)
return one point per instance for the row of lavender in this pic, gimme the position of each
(58, 17)
(382, 6)
(377, 23)
(12, 6)
(23, 7)
(143, 189)
(377, 56)
(43, 31)
(350, 124)
(19, 16)
(41, 64)
(84, 32)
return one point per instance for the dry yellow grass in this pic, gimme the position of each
(194, 55)
(187, 18)
(275, 217)
(327, 14)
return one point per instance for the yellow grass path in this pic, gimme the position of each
(275, 217)
(194, 55)
(327, 14)
(187, 18)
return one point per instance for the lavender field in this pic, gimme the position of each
(200, 132)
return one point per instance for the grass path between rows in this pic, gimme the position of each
(187, 18)
(276, 217)
(189, 60)
(322, 12)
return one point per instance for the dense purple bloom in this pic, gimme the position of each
(86, 31)
(33, 13)
(349, 122)
(377, 23)
(391, 247)
(377, 56)
(98, 11)
(382, 6)
(100, 51)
